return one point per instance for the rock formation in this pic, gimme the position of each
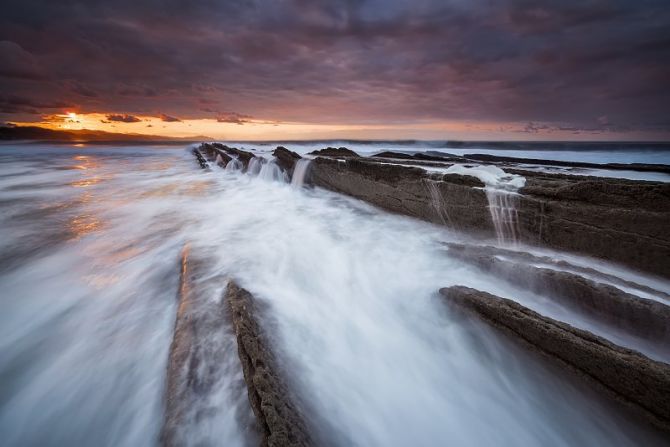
(278, 415)
(286, 159)
(632, 378)
(642, 317)
(335, 152)
(617, 220)
(202, 346)
(201, 160)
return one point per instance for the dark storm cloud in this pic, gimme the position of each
(14, 104)
(232, 117)
(168, 118)
(123, 118)
(365, 61)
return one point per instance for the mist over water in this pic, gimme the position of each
(89, 268)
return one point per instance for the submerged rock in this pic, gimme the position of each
(279, 418)
(335, 152)
(632, 378)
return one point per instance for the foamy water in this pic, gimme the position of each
(89, 275)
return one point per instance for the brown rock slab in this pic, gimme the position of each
(645, 318)
(335, 152)
(633, 379)
(622, 221)
(201, 159)
(286, 159)
(202, 346)
(280, 420)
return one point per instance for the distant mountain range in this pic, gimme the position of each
(36, 133)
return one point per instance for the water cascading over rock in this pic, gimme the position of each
(270, 171)
(501, 192)
(503, 206)
(437, 201)
(234, 165)
(300, 172)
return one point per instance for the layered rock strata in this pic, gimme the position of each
(202, 347)
(281, 421)
(632, 378)
(645, 318)
(623, 221)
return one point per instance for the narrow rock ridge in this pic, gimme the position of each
(505, 162)
(641, 317)
(640, 167)
(223, 154)
(633, 379)
(201, 160)
(286, 159)
(202, 346)
(421, 157)
(409, 191)
(335, 152)
(243, 156)
(280, 420)
(529, 258)
(622, 221)
(617, 220)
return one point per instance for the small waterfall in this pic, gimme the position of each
(300, 172)
(503, 206)
(234, 165)
(255, 165)
(219, 160)
(501, 192)
(437, 201)
(270, 171)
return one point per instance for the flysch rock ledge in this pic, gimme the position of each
(279, 418)
(633, 379)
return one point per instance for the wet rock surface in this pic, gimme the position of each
(618, 220)
(633, 379)
(641, 317)
(453, 200)
(215, 154)
(226, 153)
(640, 167)
(335, 152)
(202, 345)
(421, 157)
(286, 159)
(201, 159)
(475, 251)
(280, 420)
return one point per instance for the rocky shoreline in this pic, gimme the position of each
(617, 220)
(611, 219)
(621, 221)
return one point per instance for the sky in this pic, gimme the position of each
(368, 69)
